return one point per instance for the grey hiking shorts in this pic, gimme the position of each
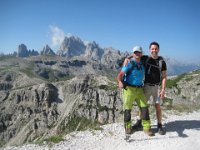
(152, 93)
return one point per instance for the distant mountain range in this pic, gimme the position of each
(176, 67)
(74, 47)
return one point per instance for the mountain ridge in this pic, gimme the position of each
(74, 47)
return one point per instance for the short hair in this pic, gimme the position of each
(154, 43)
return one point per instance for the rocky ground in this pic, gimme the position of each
(183, 133)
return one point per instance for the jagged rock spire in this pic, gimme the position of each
(47, 51)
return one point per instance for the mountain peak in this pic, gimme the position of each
(24, 52)
(47, 51)
(71, 46)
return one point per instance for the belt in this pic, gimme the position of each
(136, 86)
(149, 84)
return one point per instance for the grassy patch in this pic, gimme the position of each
(54, 139)
(50, 141)
(79, 124)
(29, 70)
(6, 68)
(188, 78)
(196, 71)
(2, 143)
(173, 82)
(5, 57)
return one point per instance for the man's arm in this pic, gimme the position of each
(127, 59)
(119, 79)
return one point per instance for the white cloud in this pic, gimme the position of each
(57, 35)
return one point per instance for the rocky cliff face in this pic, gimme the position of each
(42, 109)
(186, 90)
(94, 51)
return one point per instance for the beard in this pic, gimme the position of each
(154, 54)
(137, 57)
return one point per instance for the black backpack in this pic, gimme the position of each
(160, 61)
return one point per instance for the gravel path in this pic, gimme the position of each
(183, 133)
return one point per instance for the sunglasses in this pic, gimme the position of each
(137, 52)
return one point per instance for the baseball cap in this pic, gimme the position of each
(137, 48)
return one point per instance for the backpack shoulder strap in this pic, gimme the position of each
(145, 64)
(160, 61)
(147, 60)
(133, 65)
(160, 58)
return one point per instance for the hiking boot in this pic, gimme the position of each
(161, 131)
(137, 126)
(148, 132)
(128, 131)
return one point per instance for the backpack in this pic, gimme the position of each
(134, 65)
(160, 63)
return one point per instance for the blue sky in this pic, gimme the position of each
(121, 24)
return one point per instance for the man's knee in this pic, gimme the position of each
(127, 115)
(145, 113)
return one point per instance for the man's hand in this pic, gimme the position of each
(126, 62)
(127, 59)
(121, 85)
(162, 94)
